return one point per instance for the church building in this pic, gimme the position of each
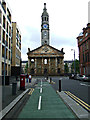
(45, 60)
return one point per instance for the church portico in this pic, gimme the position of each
(45, 65)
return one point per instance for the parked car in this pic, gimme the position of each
(86, 78)
(81, 77)
(78, 77)
(71, 76)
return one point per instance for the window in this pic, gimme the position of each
(7, 27)
(45, 61)
(0, 16)
(87, 45)
(45, 18)
(58, 61)
(80, 39)
(4, 21)
(0, 33)
(32, 60)
(83, 57)
(86, 34)
(83, 47)
(58, 70)
(86, 57)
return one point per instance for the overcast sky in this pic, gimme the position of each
(67, 18)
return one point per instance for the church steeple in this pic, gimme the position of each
(45, 27)
(44, 7)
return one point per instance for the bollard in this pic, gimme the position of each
(14, 88)
(50, 79)
(59, 85)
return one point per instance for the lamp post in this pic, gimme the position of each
(74, 61)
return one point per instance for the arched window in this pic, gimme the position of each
(45, 61)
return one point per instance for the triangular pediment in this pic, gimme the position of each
(46, 49)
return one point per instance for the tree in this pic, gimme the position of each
(26, 68)
(76, 66)
(66, 69)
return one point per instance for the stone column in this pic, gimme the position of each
(35, 65)
(62, 66)
(42, 65)
(56, 64)
(49, 65)
(28, 65)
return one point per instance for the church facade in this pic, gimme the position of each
(45, 60)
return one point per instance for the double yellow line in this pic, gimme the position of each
(31, 91)
(79, 101)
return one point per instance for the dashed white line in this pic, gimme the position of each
(40, 90)
(39, 105)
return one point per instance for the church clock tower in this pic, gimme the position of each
(45, 27)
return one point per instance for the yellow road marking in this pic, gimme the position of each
(31, 91)
(75, 98)
(52, 82)
(80, 99)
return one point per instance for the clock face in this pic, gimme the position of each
(45, 26)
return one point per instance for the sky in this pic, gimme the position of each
(67, 18)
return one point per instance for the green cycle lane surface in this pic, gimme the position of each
(52, 105)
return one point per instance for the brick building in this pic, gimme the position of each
(45, 60)
(84, 50)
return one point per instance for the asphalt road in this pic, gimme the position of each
(78, 88)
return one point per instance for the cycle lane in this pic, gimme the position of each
(51, 105)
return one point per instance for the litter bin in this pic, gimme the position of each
(22, 82)
(14, 88)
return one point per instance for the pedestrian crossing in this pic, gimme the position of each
(78, 100)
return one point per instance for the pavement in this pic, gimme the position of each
(8, 99)
(52, 105)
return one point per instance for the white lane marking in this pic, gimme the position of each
(40, 90)
(84, 84)
(39, 105)
(41, 82)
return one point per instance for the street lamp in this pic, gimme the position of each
(74, 61)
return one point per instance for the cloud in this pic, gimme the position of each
(66, 19)
(31, 39)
